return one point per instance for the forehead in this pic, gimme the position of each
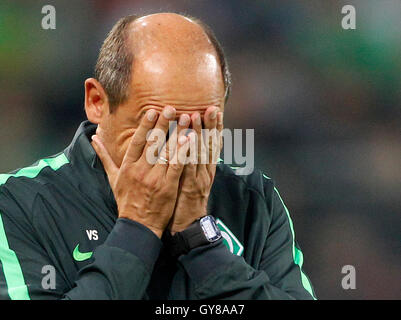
(174, 59)
(159, 74)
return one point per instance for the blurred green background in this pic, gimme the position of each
(324, 103)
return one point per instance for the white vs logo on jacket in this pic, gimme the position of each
(92, 234)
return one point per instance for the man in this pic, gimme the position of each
(107, 223)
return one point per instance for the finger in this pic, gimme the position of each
(220, 126)
(175, 168)
(220, 121)
(108, 163)
(210, 134)
(214, 146)
(160, 130)
(197, 127)
(217, 141)
(138, 140)
(170, 148)
(191, 163)
(182, 127)
(217, 145)
(210, 117)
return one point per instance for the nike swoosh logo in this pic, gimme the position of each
(81, 256)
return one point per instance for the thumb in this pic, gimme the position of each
(107, 161)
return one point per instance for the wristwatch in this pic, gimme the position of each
(202, 232)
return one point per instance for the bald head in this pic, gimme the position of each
(170, 32)
(174, 58)
(166, 50)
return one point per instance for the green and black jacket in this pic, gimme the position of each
(60, 214)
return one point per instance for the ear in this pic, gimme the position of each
(96, 102)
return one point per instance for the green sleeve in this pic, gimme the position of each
(119, 269)
(219, 274)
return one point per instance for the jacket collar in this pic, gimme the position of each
(84, 159)
(81, 148)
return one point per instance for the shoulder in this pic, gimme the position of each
(19, 188)
(256, 181)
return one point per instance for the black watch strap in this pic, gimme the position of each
(202, 232)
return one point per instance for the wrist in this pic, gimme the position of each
(186, 215)
(132, 237)
(156, 230)
(181, 226)
(201, 232)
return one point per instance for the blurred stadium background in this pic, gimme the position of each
(324, 102)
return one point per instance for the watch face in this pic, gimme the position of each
(210, 228)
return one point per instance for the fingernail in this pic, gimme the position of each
(151, 114)
(95, 139)
(169, 112)
(184, 120)
(213, 114)
(182, 140)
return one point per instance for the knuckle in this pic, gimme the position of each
(151, 182)
(175, 167)
(133, 173)
(139, 176)
(137, 141)
(147, 124)
(165, 189)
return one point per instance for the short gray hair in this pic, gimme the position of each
(113, 66)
